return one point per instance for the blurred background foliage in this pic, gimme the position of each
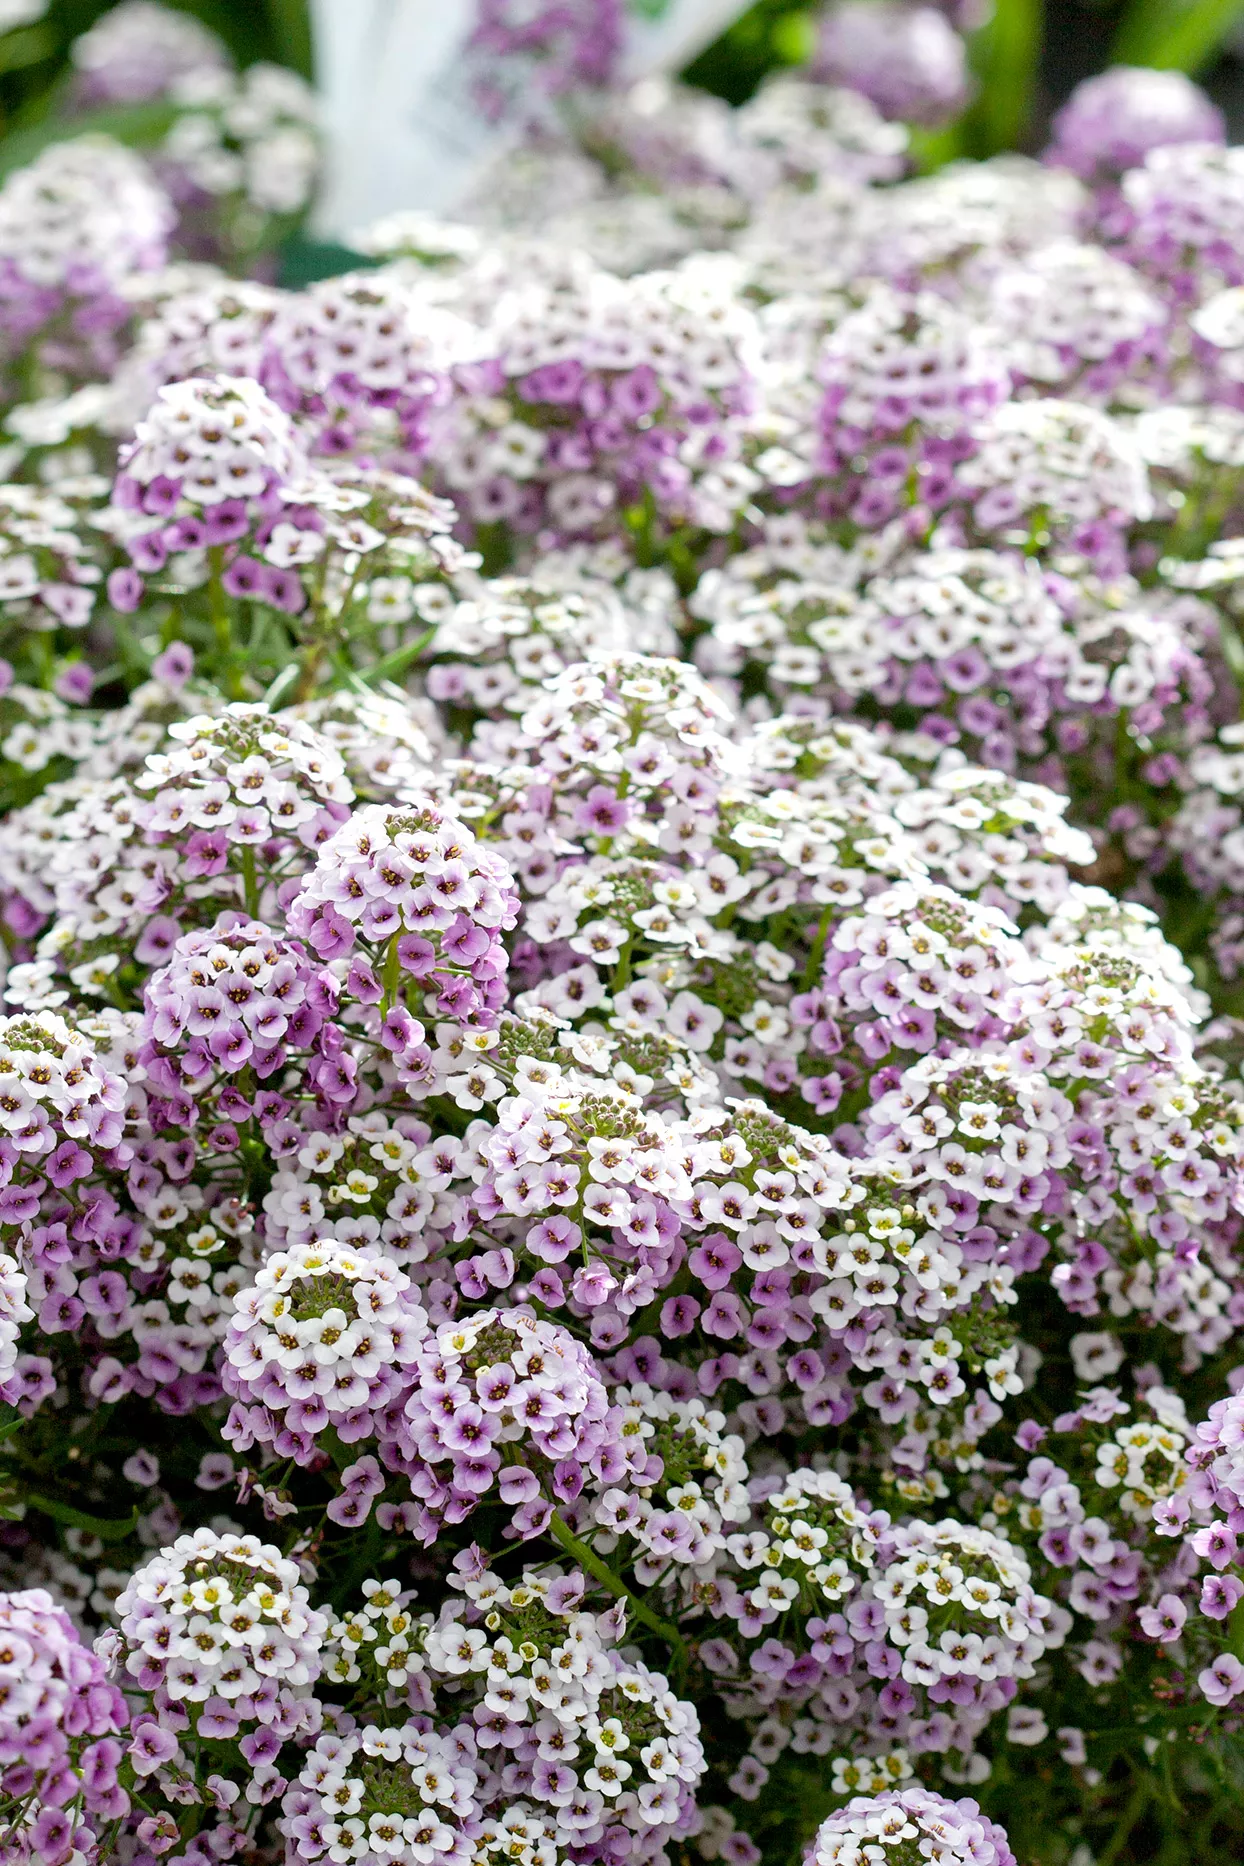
(1028, 56)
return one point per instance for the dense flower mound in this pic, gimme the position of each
(246, 996)
(364, 362)
(910, 1824)
(54, 1086)
(239, 156)
(138, 49)
(217, 1641)
(398, 1794)
(905, 378)
(217, 329)
(607, 390)
(1086, 326)
(621, 922)
(75, 226)
(414, 895)
(316, 1344)
(59, 1727)
(626, 1752)
(233, 795)
(507, 1400)
(207, 443)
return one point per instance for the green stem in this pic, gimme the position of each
(309, 679)
(392, 980)
(1137, 1803)
(1235, 1630)
(1005, 53)
(1232, 648)
(45, 661)
(250, 880)
(813, 966)
(622, 970)
(222, 626)
(603, 1573)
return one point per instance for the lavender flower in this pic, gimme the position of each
(907, 60)
(414, 890)
(139, 50)
(505, 1399)
(1112, 121)
(560, 46)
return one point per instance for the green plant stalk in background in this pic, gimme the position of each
(1175, 35)
(1004, 54)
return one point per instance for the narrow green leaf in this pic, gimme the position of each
(289, 23)
(793, 38)
(933, 149)
(1174, 35)
(30, 46)
(1005, 56)
(107, 1530)
(136, 124)
(282, 684)
(396, 662)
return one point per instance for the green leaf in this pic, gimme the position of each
(933, 149)
(1174, 35)
(289, 23)
(107, 1530)
(304, 261)
(30, 46)
(282, 684)
(1005, 55)
(137, 124)
(400, 659)
(793, 38)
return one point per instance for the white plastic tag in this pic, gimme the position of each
(402, 125)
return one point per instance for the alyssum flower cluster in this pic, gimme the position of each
(622, 889)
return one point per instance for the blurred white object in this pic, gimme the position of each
(403, 130)
(20, 13)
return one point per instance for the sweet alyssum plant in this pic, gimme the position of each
(621, 1138)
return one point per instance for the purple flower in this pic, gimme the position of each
(907, 60)
(125, 590)
(1223, 1680)
(174, 664)
(1165, 1621)
(1112, 121)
